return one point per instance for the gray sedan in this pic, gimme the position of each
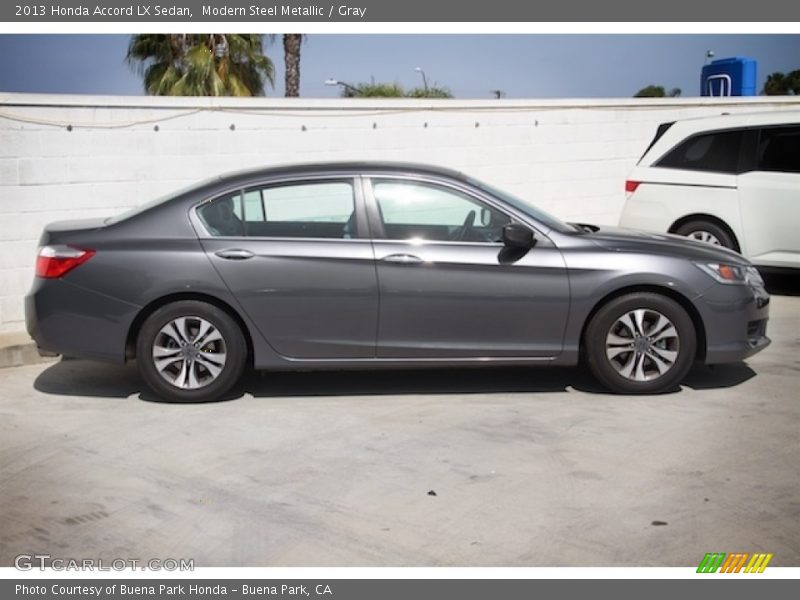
(370, 265)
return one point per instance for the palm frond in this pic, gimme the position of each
(201, 64)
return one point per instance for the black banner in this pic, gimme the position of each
(704, 587)
(374, 11)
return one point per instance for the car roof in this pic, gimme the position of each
(341, 167)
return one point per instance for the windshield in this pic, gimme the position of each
(524, 206)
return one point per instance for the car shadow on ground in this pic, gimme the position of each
(85, 378)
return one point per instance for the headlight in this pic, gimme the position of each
(731, 274)
(753, 278)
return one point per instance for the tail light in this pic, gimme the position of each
(56, 261)
(630, 186)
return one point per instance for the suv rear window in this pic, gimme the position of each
(779, 149)
(716, 151)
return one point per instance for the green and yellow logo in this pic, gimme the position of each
(734, 563)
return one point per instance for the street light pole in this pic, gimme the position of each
(352, 89)
(424, 79)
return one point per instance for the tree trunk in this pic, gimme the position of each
(291, 56)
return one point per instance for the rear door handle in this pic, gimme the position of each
(235, 254)
(402, 259)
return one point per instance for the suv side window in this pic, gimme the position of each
(316, 209)
(779, 149)
(716, 151)
(416, 210)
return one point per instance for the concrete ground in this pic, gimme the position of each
(502, 467)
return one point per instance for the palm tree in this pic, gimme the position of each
(205, 64)
(291, 58)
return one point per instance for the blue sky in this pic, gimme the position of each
(522, 65)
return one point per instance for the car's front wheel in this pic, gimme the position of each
(190, 351)
(640, 343)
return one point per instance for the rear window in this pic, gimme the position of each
(779, 149)
(716, 151)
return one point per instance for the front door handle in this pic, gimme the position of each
(235, 254)
(402, 259)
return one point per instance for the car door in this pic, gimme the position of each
(770, 199)
(295, 256)
(449, 287)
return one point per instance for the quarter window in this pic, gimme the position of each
(718, 151)
(320, 209)
(223, 216)
(779, 149)
(413, 210)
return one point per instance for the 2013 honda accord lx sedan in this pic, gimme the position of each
(382, 264)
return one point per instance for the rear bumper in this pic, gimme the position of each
(63, 318)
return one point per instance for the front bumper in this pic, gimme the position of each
(735, 319)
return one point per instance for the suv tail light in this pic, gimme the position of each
(630, 186)
(55, 261)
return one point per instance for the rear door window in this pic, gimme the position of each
(716, 151)
(779, 149)
(308, 209)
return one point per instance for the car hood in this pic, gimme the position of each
(632, 240)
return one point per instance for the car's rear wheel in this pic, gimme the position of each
(190, 351)
(706, 231)
(640, 343)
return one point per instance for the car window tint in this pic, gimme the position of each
(779, 149)
(412, 210)
(222, 216)
(717, 151)
(324, 209)
(325, 202)
(254, 207)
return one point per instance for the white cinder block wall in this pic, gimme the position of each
(64, 157)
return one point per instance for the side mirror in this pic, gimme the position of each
(516, 235)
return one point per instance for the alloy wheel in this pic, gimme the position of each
(642, 345)
(189, 352)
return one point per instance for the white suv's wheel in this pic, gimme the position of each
(706, 231)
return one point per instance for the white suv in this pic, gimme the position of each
(732, 180)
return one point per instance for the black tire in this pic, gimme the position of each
(607, 333)
(207, 383)
(698, 228)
